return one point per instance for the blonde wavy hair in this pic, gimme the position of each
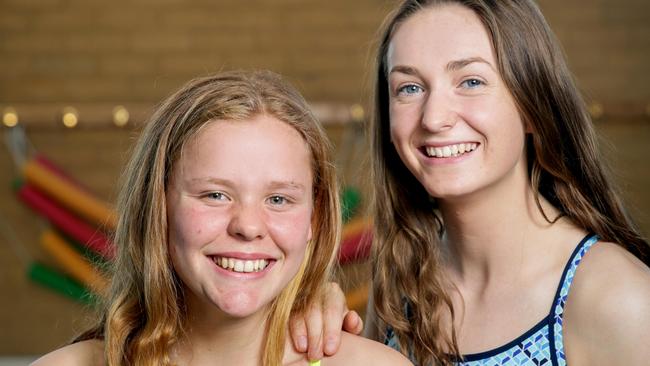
(144, 314)
(563, 158)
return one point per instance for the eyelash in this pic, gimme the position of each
(217, 196)
(477, 82)
(403, 89)
(472, 83)
(284, 200)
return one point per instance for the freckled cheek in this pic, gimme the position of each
(290, 232)
(192, 227)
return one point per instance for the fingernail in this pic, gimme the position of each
(302, 343)
(330, 345)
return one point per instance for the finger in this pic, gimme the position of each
(314, 320)
(298, 332)
(332, 322)
(352, 323)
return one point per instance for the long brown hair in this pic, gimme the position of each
(145, 311)
(564, 163)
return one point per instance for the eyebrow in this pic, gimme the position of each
(459, 64)
(451, 66)
(276, 184)
(404, 70)
(286, 185)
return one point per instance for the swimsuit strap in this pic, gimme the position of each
(556, 316)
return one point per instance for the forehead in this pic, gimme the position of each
(439, 33)
(261, 144)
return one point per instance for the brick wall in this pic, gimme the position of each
(120, 52)
(139, 50)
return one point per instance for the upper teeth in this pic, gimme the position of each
(238, 265)
(450, 150)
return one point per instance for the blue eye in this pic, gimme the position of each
(217, 196)
(277, 200)
(471, 83)
(409, 89)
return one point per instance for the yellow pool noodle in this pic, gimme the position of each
(73, 263)
(356, 226)
(73, 198)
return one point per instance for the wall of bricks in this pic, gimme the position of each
(138, 51)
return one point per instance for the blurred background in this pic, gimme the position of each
(79, 77)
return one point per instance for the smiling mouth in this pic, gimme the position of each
(239, 265)
(449, 151)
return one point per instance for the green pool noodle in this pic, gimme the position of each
(95, 259)
(50, 278)
(350, 200)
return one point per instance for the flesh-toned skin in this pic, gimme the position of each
(504, 259)
(241, 190)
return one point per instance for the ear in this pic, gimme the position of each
(309, 233)
(528, 129)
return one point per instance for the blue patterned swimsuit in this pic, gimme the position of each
(542, 344)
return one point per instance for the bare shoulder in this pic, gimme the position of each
(608, 308)
(90, 352)
(357, 350)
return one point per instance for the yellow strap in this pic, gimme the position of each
(314, 363)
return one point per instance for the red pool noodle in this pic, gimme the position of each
(51, 166)
(66, 222)
(355, 247)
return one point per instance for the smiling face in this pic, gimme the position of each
(453, 122)
(239, 207)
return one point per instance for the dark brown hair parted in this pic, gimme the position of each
(564, 164)
(144, 314)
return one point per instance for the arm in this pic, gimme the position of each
(318, 331)
(84, 353)
(607, 319)
(357, 350)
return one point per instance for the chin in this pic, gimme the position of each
(240, 305)
(451, 192)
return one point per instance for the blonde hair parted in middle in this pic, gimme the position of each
(144, 314)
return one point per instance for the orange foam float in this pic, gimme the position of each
(68, 195)
(73, 263)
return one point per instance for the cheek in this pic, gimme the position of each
(290, 232)
(191, 227)
(403, 119)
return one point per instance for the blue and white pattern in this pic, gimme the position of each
(537, 346)
(561, 297)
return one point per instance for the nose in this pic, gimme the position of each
(438, 112)
(247, 222)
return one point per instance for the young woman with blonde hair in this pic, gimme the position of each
(229, 221)
(499, 238)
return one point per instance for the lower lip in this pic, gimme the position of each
(432, 160)
(243, 275)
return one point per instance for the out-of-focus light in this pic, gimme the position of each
(357, 113)
(120, 116)
(596, 110)
(70, 117)
(9, 117)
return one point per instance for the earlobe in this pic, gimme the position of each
(528, 129)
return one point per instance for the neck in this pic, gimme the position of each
(212, 336)
(492, 233)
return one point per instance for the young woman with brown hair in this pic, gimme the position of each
(499, 239)
(229, 221)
